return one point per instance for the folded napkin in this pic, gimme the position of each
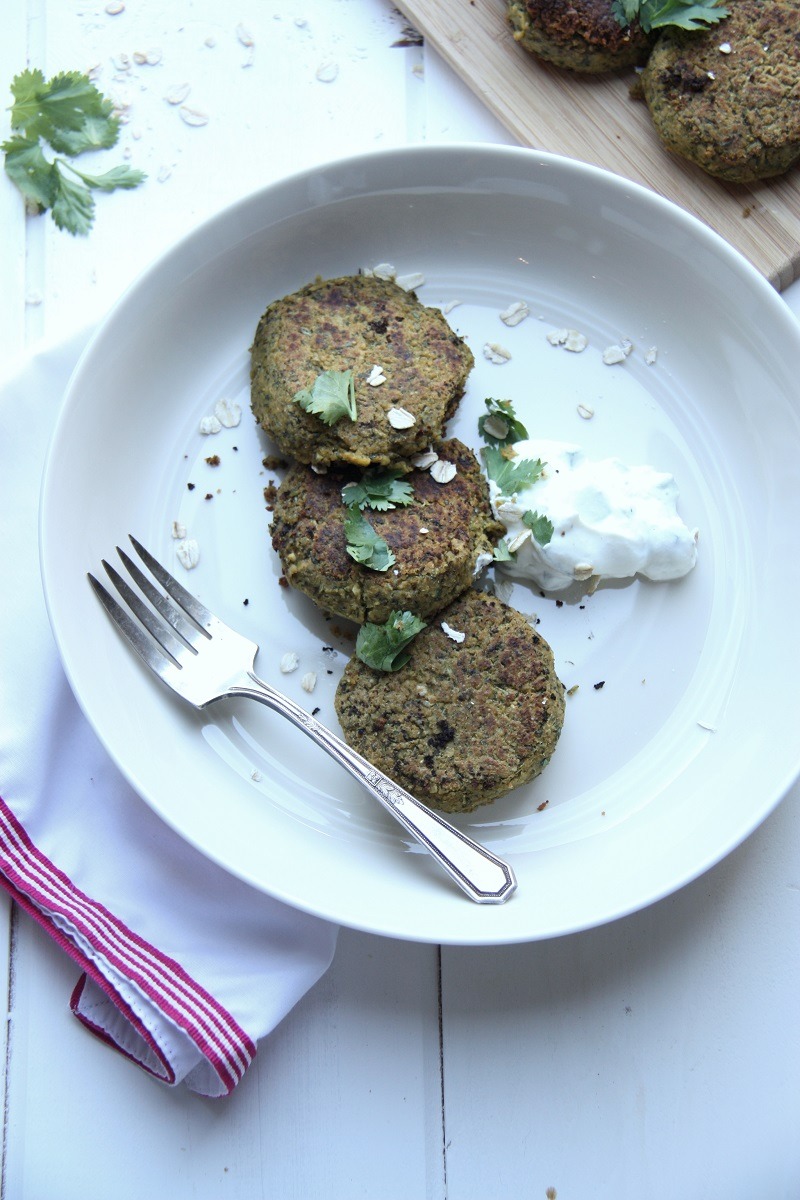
(184, 968)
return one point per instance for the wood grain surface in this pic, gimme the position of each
(594, 119)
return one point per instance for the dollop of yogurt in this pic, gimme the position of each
(610, 520)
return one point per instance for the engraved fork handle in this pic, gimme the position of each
(485, 878)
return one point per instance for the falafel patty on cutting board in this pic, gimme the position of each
(464, 721)
(582, 36)
(356, 323)
(728, 98)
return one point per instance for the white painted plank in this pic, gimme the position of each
(657, 1057)
(359, 1055)
(13, 289)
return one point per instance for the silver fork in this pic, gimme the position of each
(203, 660)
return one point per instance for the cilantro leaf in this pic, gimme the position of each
(331, 397)
(502, 552)
(508, 474)
(27, 167)
(383, 646)
(656, 14)
(380, 490)
(540, 526)
(499, 426)
(68, 114)
(364, 545)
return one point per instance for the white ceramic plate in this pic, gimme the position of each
(691, 740)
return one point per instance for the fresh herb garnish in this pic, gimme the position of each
(655, 14)
(380, 490)
(511, 475)
(383, 646)
(502, 552)
(540, 526)
(364, 545)
(68, 114)
(499, 426)
(332, 396)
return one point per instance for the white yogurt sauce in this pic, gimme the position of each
(610, 521)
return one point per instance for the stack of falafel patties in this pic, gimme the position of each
(477, 709)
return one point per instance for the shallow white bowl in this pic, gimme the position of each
(691, 740)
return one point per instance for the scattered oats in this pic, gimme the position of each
(148, 58)
(244, 35)
(582, 571)
(94, 72)
(496, 427)
(503, 589)
(209, 425)
(518, 541)
(496, 353)
(651, 355)
(309, 681)
(424, 529)
(178, 93)
(163, 174)
(178, 530)
(575, 342)
(188, 553)
(385, 271)
(613, 354)
(454, 634)
(410, 282)
(443, 471)
(572, 690)
(193, 116)
(114, 8)
(210, 41)
(425, 460)
(228, 412)
(289, 663)
(515, 313)
(481, 563)
(585, 412)
(376, 376)
(450, 305)
(557, 337)
(626, 345)
(326, 72)
(255, 776)
(711, 75)
(319, 468)
(401, 418)
(725, 48)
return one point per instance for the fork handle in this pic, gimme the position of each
(484, 877)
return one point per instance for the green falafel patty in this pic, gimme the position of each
(357, 323)
(465, 720)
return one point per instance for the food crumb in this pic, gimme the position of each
(599, 686)
(289, 663)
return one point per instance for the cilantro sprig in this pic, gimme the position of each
(509, 474)
(380, 490)
(656, 14)
(541, 527)
(499, 425)
(383, 647)
(331, 397)
(364, 545)
(68, 115)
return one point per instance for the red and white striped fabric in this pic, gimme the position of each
(183, 968)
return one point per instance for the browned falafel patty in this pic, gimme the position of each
(462, 722)
(436, 540)
(356, 323)
(582, 35)
(728, 98)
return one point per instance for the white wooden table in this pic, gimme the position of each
(655, 1058)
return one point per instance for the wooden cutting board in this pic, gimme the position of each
(594, 119)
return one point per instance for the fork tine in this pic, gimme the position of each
(155, 658)
(179, 594)
(163, 634)
(174, 616)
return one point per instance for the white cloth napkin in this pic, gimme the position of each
(183, 967)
